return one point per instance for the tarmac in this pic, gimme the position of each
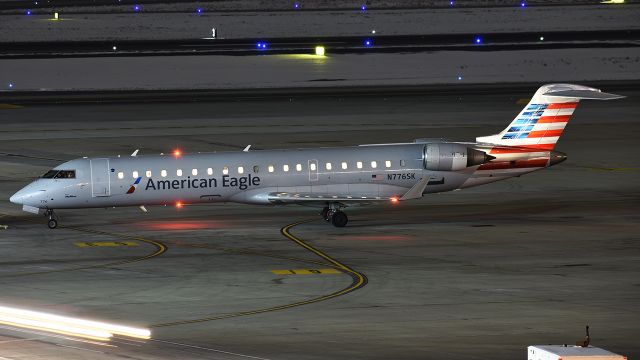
(472, 274)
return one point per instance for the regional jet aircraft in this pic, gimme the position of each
(328, 178)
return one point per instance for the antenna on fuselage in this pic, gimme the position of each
(247, 148)
(135, 153)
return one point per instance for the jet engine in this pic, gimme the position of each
(452, 157)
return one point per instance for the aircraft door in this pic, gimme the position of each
(100, 178)
(313, 170)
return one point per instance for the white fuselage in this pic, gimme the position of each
(372, 172)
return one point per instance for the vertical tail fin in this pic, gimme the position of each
(540, 124)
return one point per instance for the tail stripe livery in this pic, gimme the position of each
(540, 124)
(548, 120)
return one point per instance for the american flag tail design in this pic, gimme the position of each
(541, 123)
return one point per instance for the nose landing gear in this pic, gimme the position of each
(334, 215)
(53, 220)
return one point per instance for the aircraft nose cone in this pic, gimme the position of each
(17, 198)
(556, 157)
(27, 195)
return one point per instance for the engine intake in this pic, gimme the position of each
(452, 157)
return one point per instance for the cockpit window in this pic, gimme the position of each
(60, 174)
(65, 174)
(50, 174)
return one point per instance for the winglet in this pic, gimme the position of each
(247, 148)
(416, 190)
(135, 153)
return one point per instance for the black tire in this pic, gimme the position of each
(339, 219)
(325, 214)
(52, 224)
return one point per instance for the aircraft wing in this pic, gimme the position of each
(309, 198)
(414, 192)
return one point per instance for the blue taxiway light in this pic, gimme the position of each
(136, 8)
(523, 4)
(459, 77)
(296, 5)
(478, 40)
(363, 7)
(10, 85)
(451, 3)
(199, 10)
(261, 45)
(368, 43)
(28, 12)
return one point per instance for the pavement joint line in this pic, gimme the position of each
(329, 271)
(359, 280)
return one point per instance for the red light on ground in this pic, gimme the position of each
(183, 225)
(179, 205)
(177, 153)
(394, 200)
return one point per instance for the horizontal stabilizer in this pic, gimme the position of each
(584, 94)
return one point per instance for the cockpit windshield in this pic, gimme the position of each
(60, 174)
(50, 174)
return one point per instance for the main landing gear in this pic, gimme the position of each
(334, 215)
(53, 220)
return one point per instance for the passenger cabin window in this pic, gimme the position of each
(163, 173)
(270, 168)
(60, 174)
(312, 166)
(240, 170)
(374, 164)
(194, 172)
(256, 169)
(179, 172)
(148, 173)
(344, 165)
(285, 168)
(209, 171)
(359, 164)
(135, 174)
(120, 175)
(328, 166)
(387, 164)
(225, 170)
(298, 167)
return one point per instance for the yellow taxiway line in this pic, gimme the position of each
(359, 280)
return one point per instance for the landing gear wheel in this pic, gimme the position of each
(325, 214)
(339, 219)
(52, 224)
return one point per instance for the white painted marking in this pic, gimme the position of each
(210, 349)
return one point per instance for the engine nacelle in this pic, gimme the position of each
(452, 157)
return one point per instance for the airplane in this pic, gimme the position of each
(331, 178)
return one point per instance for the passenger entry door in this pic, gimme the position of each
(100, 178)
(313, 170)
